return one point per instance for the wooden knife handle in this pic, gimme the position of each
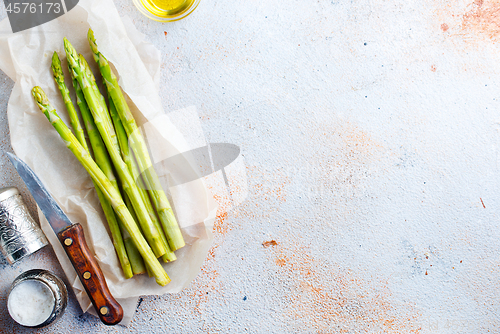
(91, 276)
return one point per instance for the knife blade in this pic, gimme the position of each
(73, 241)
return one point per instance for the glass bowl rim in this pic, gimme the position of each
(138, 4)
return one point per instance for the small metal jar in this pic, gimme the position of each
(53, 283)
(20, 235)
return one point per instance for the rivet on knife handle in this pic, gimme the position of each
(91, 276)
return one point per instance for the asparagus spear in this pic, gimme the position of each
(132, 167)
(103, 183)
(151, 180)
(104, 162)
(59, 79)
(116, 235)
(99, 111)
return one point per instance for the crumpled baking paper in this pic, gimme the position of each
(26, 57)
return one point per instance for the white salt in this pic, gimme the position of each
(31, 303)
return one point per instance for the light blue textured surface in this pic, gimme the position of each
(370, 132)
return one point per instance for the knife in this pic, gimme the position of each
(73, 241)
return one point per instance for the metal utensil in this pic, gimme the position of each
(20, 236)
(58, 295)
(73, 241)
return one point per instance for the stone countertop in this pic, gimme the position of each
(369, 132)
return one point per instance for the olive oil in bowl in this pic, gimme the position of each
(166, 10)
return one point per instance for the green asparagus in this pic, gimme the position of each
(104, 162)
(118, 232)
(99, 111)
(138, 145)
(59, 79)
(116, 235)
(130, 162)
(103, 183)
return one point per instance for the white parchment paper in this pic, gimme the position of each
(26, 58)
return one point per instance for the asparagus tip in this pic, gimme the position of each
(40, 96)
(93, 46)
(55, 57)
(71, 53)
(56, 68)
(92, 42)
(85, 66)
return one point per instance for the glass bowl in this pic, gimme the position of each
(166, 10)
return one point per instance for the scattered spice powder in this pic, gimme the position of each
(269, 243)
(321, 294)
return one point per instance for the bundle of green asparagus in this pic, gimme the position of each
(140, 219)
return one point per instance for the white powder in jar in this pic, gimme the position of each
(30, 303)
